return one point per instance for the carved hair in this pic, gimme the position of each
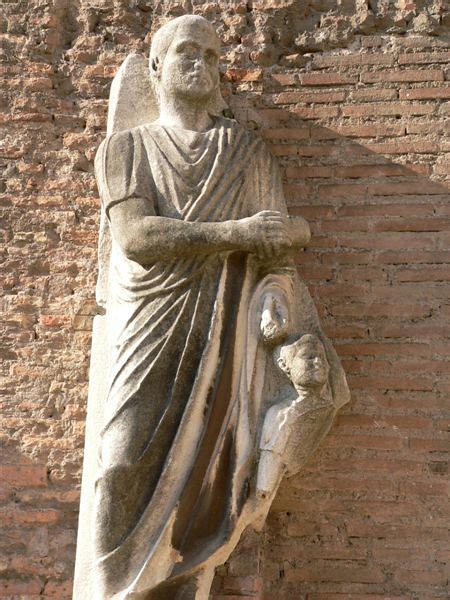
(160, 45)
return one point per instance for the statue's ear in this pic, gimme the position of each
(132, 99)
(154, 65)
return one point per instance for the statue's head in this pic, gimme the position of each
(305, 362)
(184, 59)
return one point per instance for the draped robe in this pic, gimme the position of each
(177, 451)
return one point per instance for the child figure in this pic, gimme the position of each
(293, 428)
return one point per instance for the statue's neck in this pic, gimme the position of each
(184, 114)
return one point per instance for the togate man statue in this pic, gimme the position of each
(210, 376)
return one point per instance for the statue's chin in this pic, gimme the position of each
(194, 94)
(194, 87)
(310, 382)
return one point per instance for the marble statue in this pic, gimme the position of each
(210, 376)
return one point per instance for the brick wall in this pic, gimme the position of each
(356, 112)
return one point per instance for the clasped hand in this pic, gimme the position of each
(265, 234)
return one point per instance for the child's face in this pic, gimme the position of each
(309, 367)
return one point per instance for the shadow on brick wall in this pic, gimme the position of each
(357, 520)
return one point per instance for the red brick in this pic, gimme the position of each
(315, 272)
(28, 517)
(232, 597)
(408, 577)
(313, 211)
(443, 424)
(411, 75)
(386, 422)
(309, 97)
(24, 475)
(423, 57)
(318, 112)
(338, 573)
(425, 488)
(10, 588)
(430, 445)
(327, 79)
(362, 171)
(405, 188)
(243, 75)
(351, 596)
(354, 486)
(374, 95)
(411, 225)
(296, 191)
(58, 589)
(363, 273)
(364, 131)
(413, 257)
(365, 441)
(243, 585)
(26, 118)
(287, 133)
(350, 60)
(343, 191)
(401, 382)
(38, 84)
(364, 528)
(382, 348)
(390, 552)
(426, 127)
(433, 273)
(55, 321)
(394, 210)
(405, 147)
(387, 108)
(308, 172)
(345, 225)
(284, 149)
(324, 133)
(273, 115)
(425, 93)
(284, 78)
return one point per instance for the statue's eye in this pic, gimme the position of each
(189, 50)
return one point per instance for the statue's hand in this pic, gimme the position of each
(266, 234)
(274, 321)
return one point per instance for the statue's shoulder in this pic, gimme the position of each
(121, 143)
(242, 133)
(118, 151)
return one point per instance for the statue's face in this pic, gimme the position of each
(309, 366)
(190, 68)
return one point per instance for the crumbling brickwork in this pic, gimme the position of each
(351, 96)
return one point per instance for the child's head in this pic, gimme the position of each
(304, 362)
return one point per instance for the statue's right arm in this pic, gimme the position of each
(142, 235)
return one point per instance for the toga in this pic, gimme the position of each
(186, 391)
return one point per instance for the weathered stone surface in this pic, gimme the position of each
(198, 285)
